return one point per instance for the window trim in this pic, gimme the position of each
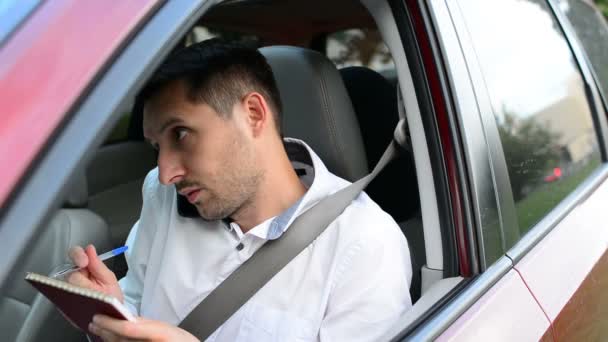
(557, 214)
(596, 99)
(88, 123)
(461, 301)
(481, 168)
(410, 55)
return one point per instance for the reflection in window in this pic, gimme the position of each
(592, 31)
(359, 48)
(538, 100)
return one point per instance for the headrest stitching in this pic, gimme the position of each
(331, 124)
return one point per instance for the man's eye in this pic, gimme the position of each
(180, 133)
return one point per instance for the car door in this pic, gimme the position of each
(532, 124)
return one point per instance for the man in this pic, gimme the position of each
(212, 111)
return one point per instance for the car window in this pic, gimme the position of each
(591, 29)
(539, 104)
(360, 47)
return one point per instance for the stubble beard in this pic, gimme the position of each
(217, 207)
(236, 187)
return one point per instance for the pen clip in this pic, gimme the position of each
(64, 271)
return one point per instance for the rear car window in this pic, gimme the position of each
(360, 47)
(592, 32)
(539, 103)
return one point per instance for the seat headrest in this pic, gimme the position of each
(375, 102)
(77, 191)
(317, 109)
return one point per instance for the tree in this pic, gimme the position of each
(530, 149)
(603, 6)
(362, 47)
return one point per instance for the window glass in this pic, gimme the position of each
(538, 100)
(592, 32)
(360, 47)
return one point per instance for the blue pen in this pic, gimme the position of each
(102, 257)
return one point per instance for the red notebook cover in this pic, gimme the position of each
(78, 304)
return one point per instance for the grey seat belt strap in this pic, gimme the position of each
(254, 273)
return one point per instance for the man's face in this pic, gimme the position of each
(211, 160)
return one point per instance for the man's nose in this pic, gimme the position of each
(170, 169)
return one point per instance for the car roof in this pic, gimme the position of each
(300, 21)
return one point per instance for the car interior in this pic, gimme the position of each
(338, 83)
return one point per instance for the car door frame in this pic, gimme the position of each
(431, 33)
(470, 100)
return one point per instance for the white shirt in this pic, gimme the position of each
(350, 284)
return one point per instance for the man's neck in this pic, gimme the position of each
(280, 189)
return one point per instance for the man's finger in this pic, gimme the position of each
(106, 335)
(142, 329)
(79, 278)
(118, 327)
(97, 268)
(78, 256)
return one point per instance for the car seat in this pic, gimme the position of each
(396, 189)
(115, 178)
(316, 108)
(25, 315)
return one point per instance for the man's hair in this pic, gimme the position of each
(219, 74)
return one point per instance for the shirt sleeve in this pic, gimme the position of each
(139, 242)
(371, 290)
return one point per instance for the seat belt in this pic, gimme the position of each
(267, 261)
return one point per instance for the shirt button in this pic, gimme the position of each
(240, 247)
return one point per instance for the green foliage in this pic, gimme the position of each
(603, 6)
(362, 47)
(538, 203)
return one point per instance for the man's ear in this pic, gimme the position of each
(258, 112)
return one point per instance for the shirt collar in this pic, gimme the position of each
(312, 173)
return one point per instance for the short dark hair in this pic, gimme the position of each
(217, 73)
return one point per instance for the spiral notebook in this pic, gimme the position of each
(78, 304)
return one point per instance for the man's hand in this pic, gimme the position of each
(94, 273)
(110, 329)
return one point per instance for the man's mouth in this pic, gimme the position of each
(193, 196)
(190, 194)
